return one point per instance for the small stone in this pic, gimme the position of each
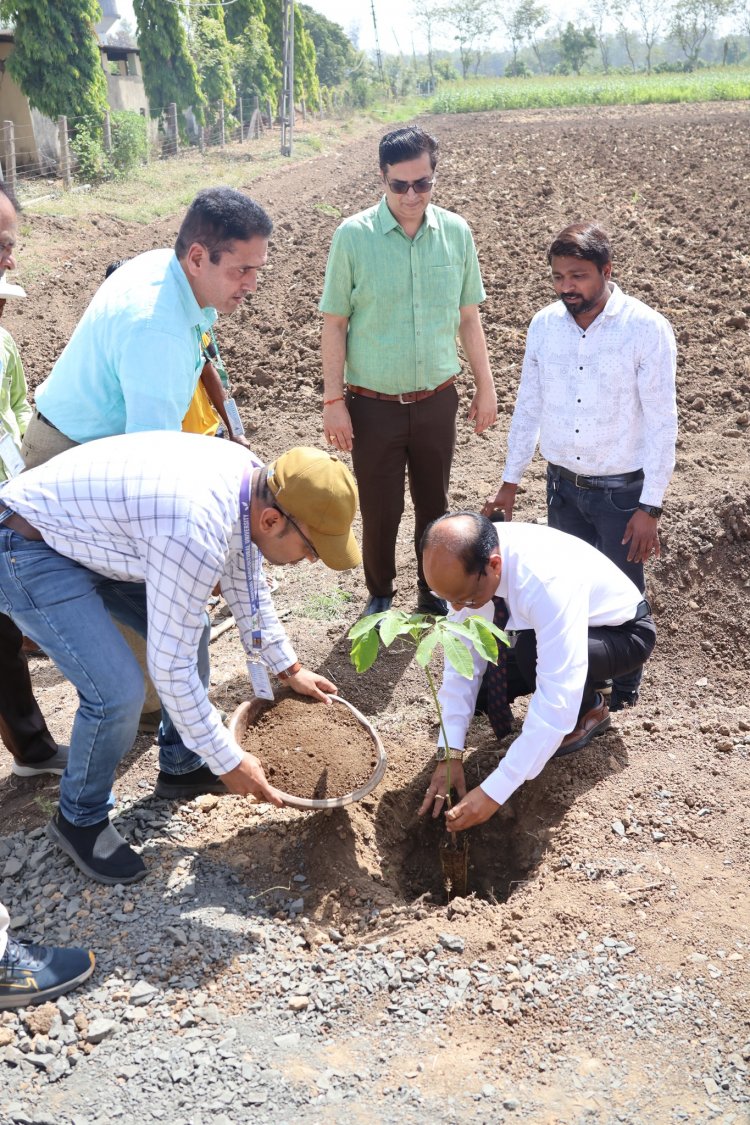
(452, 943)
(726, 745)
(39, 1020)
(206, 802)
(142, 993)
(289, 1040)
(101, 1029)
(510, 1103)
(618, 827)
(298, 1003)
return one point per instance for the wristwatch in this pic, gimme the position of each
(292, 670)
(650, 510)
(443, 754)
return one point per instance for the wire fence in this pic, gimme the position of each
(40, 160)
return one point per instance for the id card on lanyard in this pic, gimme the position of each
(257, 670)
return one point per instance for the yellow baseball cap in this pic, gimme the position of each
(317, 489)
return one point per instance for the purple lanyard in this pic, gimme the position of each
(253, 584)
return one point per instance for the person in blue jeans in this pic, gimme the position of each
(597, 394)
(160, 519)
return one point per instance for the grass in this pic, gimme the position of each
(327, 607)
(166, 187)
(726, 84)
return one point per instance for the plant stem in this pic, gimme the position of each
(448, 801)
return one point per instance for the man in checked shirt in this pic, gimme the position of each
(597, 393)
(81, 535)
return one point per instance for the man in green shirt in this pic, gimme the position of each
(402, 282)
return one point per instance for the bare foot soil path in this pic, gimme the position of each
(294, 966)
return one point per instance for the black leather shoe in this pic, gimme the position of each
(377, 604)
(181, 786)
(427, 602)
(621, 700)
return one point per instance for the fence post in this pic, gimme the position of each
(320, 104)
(144, 115)
(172, 128)
(222, 136)
(270, 114)
(107, 132)
(9, 144)
(256, 121)
(304, 110)
(242, 123)
(62, 137)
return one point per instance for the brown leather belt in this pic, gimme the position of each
(407, 398)
(18, 524)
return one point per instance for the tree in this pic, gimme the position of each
(306, 83)
(214, 58)
(521, 22)
(693, 21)
(256, 69)
(472, 23)
(600, 10)
(575, 44)
(169, 72)
(334, 53)
(56, 60)
(650, 17)
(239, 14)
(427, 18)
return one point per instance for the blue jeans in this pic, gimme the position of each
(68, 609)
(598, 516)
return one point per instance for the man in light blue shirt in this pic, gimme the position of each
(135, 357)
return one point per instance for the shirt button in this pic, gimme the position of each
(580, 369)
(578, 400)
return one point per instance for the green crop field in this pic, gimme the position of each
(726, 84)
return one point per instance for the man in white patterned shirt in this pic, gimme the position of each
(79, 538)
(597, 393)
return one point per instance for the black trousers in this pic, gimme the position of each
(393, 442)
(613, 651)
(22, 725)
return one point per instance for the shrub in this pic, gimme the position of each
(129, 140)
(91, 159)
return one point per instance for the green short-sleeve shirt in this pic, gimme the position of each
(402, 296)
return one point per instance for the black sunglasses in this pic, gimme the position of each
(401, 187)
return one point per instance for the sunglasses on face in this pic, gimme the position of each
(401, 187)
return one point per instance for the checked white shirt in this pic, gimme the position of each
(161, 508)
(600, 401)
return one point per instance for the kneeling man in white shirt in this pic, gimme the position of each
(575, 620)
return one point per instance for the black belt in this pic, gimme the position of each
(47, 422)
(619, 480)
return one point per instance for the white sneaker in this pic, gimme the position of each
(55, 764)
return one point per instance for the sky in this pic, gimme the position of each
(396, 26)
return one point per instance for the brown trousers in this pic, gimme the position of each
(393, 441)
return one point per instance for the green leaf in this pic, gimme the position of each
(365, 651)
(364, 625)
(425, 649)
(458, 655)
(395, 623)
(482, 639)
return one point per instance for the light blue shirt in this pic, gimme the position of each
(134, 359)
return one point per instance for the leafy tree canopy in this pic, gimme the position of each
(334, 51)
(56, 60)
(169, 72)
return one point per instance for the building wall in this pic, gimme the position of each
(14, 106)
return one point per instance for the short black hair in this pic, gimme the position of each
(407, 143)
(10, 195)
(114, 266)
(219, 216)
(582, 240)
(473, 548)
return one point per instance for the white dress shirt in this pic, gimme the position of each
(558, 586)
(161, 508)
(601, 400)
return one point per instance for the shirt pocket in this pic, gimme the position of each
(444, 286)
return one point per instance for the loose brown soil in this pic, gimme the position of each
(644, 836)
(311, 751)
